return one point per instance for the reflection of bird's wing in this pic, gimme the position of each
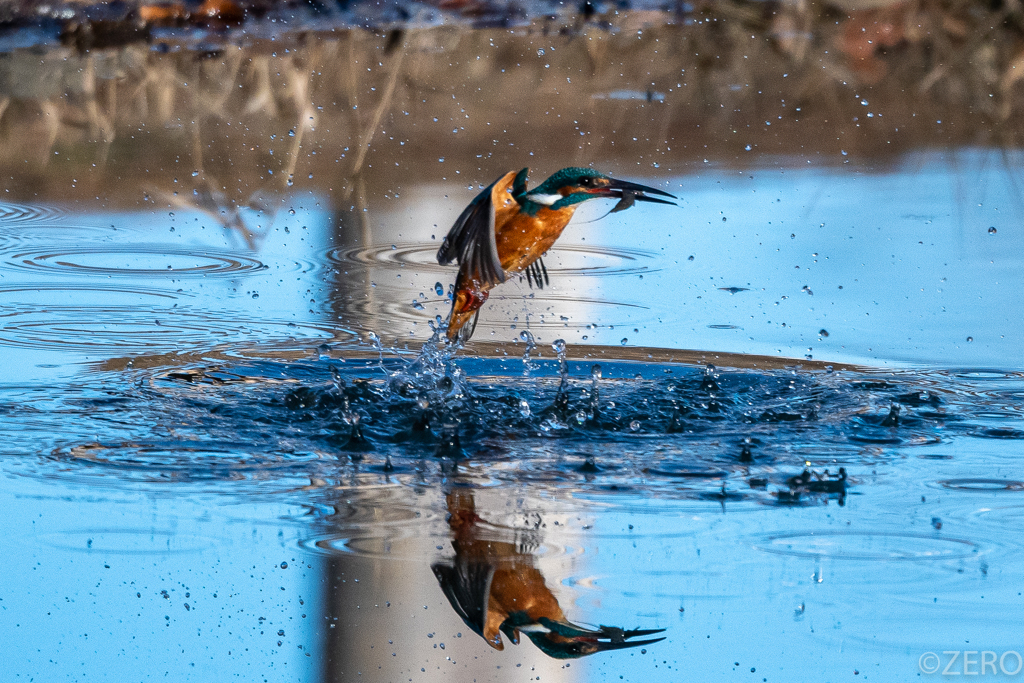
(467, 585)
(471, 241)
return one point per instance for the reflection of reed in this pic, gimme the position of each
(723, 78)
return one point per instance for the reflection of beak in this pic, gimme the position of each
(622, 189)
(564, 640)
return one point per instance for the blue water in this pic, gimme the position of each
(185, 498)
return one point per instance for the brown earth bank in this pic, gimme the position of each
(223, 112)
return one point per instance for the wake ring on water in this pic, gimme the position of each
(982, 485)
(27, 213)
(179, 462)
(137, 261)
(389, 308)
(564, 260)
(127, 541)
(128, 327)
(867, 545)
(406, 543)
(75, 292)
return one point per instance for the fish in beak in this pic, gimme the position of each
(629, 193)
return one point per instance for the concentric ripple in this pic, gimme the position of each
(982, 485)
(143, 327)
(868, 545)
(28, 213)
(127, 541)
(563, 260)
(181, 461)
(136, 261)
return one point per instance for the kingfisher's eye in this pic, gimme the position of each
(585, 181)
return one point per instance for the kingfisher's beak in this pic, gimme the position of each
(601, 639)
(605, 646)
(564, 640)
(620, 189)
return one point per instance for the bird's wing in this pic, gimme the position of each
(467, 585)
(471, 240)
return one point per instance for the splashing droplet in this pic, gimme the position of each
(992, 230)
(524, 408)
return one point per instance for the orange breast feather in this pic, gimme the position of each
(522, 239)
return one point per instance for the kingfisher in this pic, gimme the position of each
(495, 588)
(507, 228)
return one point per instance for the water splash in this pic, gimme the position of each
(531, 345)
(709, 382)
(357, 444)
(559, 409)
(594, 412)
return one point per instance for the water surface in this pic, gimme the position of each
(788, 433)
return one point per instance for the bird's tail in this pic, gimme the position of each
(465, 312)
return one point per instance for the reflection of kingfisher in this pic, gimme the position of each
(495, 588)
(507, 228)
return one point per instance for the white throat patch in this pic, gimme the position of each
(545, 199)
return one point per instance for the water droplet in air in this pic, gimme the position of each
(624, 341)
(324, 352)
(992, 230)
(558, 346)
(255, 295)
(195, 173)
(291, 212)
(595, 371)
(970, 339)
(291, 133)
(439, 289)
(634, 425)
(417, 305)
(822, 332)
(284, 565)
(524, 408)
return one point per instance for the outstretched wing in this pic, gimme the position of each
(471, 241)
(467, 585)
